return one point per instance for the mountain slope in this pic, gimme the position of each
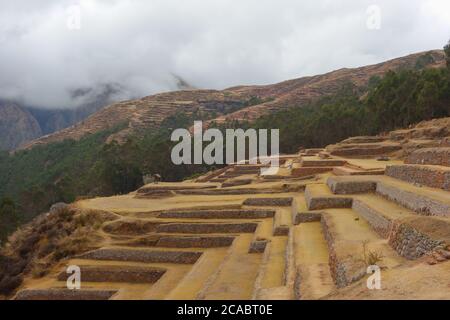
(236, 103)
(300, 91)
(17, 126)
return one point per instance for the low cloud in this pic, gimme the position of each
(139, 45)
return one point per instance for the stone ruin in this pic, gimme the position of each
(308, 232)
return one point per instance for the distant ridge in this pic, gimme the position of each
(235, 103)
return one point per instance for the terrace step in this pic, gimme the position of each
(351, 185)
(176, 241)
(319, 196)
(64, 294)
(243, 170)
(422, 200)
(282, 222)
(306, 216)
(415, 236)
(312, 274)
(219, 214)
(261, 236)
(192, 283)
(194, 241)
(347, 171)
(364, 139)
(157, 187)
(322, 162)
(272, 268)
(269, 202)
(131, 227)
(324, 155)
(346, 233)
(204, 228)
(379, 212)
(149, 256)
(209, 177)
(428, 175)
(363, 149)
(312, 152)
(307, 171)
(217, 192)
(218, 179)
(232, 175)
(234, 183)
(129, 274)
(235, 277)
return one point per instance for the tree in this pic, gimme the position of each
(428, 99)
(447, 54)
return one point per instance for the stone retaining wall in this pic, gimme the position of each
(411, 243)
(364, 151)
(258, 246)
(303, 217)
(364, 139)
(219, 214)
(213, 174)
(229, 191)
(117, 274)
(340, 186)
(317, 203)
(153, 256)
(64, 294)
(307, 171)
(194, 242)
(420, 204)
(434, 177)
(234, 183)
(322, 163)
(381, 224)
(154, 194)
(344, 269)
(270, 202)
(249, 227)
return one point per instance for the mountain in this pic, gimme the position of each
(17, 125)
(20, 123)
(89, 101)
(236, 103)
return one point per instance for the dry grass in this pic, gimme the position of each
(371, 258)
(34, 248)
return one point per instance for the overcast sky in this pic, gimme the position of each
(47, 50)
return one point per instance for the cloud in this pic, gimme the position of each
(139, 45)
